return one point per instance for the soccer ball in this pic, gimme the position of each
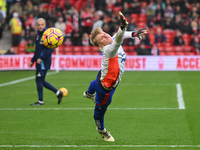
(64, 90)
(52, 38)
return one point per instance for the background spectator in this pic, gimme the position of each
(10, 51)
(125, 9)
(60, 25)
(85, 40)
(15, 26)
(68, 29)
(168, 23)
(178, 41)
(141, 50)
(154, 50)
(86, 23)
(2, 21)
(186, 27)
(159, 36)
(195, 42)
(30, 46)
(17, 8)
(28, 7)
(76, 37)
(135, 7)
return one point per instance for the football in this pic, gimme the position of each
(64, 90)
(52, 38)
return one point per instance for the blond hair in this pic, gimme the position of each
(41, 19)
(93, 34)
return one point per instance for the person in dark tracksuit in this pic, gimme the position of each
(42, 57)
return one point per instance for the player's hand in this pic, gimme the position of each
(124, 22)
(39, 61)
(30, 64)
(140, 33)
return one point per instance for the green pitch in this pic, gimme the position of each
(149, 111)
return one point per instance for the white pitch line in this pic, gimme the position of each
(87, 146)
(181, 103)
(1, 109)
(22, 80)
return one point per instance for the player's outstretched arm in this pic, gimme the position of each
(113, 48)
(124, 22)
(120, 33)
(140, 32)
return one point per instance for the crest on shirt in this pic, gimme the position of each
(37, 37)
(41, 42)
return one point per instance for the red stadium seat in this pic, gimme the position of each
(87, 50)
(22, 48)
(169, 49)
(169, 37)
(22, 52)
(125, 48)
(142, 18)
(180, 53)
(178, 48)
(168, 32)
(188, 48)
(72, 2)
(170, 53)
(77, 50)
(96, 53)
(161, 48)
(117, 9)
(162, 54)
(186, 38)
(141, 24)
(54, 2)
(190, 53)
(61, 48)
(159, 44)
(131, 53)
(135, 17)
(62, 4)
(135, 53)
(79, 4)
(61, 53)
(168, 44)
(95, 50)
(68, 50)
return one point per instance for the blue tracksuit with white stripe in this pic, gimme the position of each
(44, 54)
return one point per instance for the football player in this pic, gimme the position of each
(42, 57)
(101, 90)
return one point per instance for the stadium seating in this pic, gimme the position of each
(142, 18)
(117, 9)
(166, 48)
(77, 50)
(169, 49)
(22, 48)
(186, 38)
(178, 49)
(135, 17)
(86, 50)
(68, 50)
(130, 50)
(95, 50)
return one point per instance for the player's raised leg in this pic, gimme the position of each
(99, 113)
(90, 93)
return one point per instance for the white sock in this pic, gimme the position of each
(103, 131)
(41, 102)
(58, 92)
